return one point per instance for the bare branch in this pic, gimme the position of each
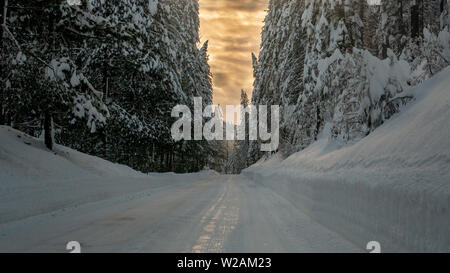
(6, 29)
(440, 55)
(81, 34)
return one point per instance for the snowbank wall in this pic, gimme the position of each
(403, 217)
(392, 186)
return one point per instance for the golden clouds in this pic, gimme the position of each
(233, 28)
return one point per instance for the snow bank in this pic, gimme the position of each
(392, 186)
(31, 159)
(34, 180)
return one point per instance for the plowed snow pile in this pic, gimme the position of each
(392, 186)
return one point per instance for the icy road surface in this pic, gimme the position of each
(178, 213)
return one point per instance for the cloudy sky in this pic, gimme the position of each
(233, 28)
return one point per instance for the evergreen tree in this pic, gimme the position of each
(106, 75)
(279, 65)
(357, 65)
(45, 77)
(238, 159)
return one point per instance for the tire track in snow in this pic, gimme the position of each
(219, 221)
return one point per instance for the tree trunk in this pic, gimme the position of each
(105, 78)
(2, 21)
(153, 153)
(2, 108)
(104, 135)
(4, 12)
(415, 21)
(48, 134)
(172, 155)
(400, 14)
(167, 159)
(2, 116)
(422, 18)
(8, 119)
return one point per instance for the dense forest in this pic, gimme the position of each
(341, 68)
(102, 77)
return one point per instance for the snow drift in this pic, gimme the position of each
(34, 180)
(393, 186)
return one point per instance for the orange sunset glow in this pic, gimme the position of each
(233, 28)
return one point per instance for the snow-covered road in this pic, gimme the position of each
(192, 213)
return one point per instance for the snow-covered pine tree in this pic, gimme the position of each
(334, 57)
(356, 18)
(432, 14)
(161, 69)
(373, 17)
(238, 159)
(344, 86)
(282, 47)
(328, 39)
(427, 50)
(116, 66)
(49, 84)
(393, 28)
(444, 18)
